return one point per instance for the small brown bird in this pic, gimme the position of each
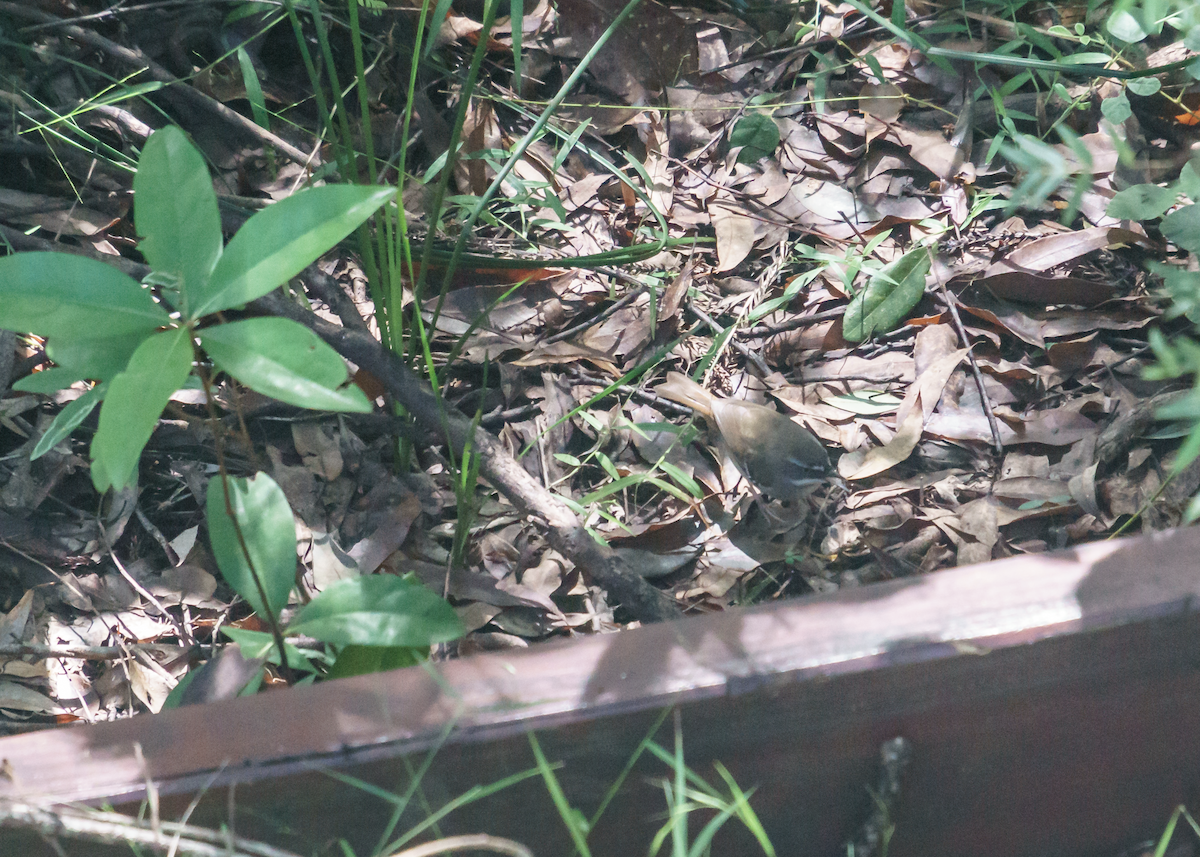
(779, 457)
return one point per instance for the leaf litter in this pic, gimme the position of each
(846, 258)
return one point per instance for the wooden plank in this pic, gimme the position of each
(1051, 703)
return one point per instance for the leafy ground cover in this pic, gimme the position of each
(955, 245)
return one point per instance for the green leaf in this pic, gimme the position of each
(283, 239)
(380, 610)
(285, 360)
(48, 381)
(259, 644)
(1183, 227)
(1191, 40)
(63, 295)
(1125, 27)
(68, 418)
(1141, 202)
(254, 93)
(175, 212)
(1144, 86)
(133, 404)
(100, 358)
(361, 660)
(1188, 182)
(1116, 109)
(889, 296)
(268, 535)
(757, 134)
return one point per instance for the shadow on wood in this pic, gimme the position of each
(1051, 703)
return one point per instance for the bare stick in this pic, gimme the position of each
(111, 828)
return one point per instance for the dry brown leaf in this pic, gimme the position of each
(736, 232)
(929, 385)
(1056, 427)
(319, 449)
(391, 526)
(853, 466)
(653, 49)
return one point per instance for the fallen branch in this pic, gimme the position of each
(111, 828)
(566, 534)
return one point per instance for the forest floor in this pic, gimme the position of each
(913, 255)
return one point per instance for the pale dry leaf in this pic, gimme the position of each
(319, 449)
(977, 520)
(18, 697)
(885, 457)
(149, 685)
(735, 232)
(930, 383)
(52, 214)
(186, 584)
(12, 623)
(391, 526)
(475, 615)
(326, 560)
(884, 101)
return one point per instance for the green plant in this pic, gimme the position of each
(1164, 841)
(137, 344)
(1179, 355)
(686, 792)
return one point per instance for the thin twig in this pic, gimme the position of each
(792, 323)
(112, 828)
(83, 653)
(185, 636)
(612, 309)
(952, 306)
(157, 535)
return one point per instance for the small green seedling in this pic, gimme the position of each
(137, 348)
(103, 326)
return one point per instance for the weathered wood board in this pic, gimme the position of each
(1052, 703)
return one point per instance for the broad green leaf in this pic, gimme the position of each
(1116, 109)
(1125, 27)
(133, 404)
(100, 358)
(1183, 227)
(48, 381)
(1188, 182)
(268, 535)
(757, 134)
(285, 360)
(1141, 202)
(1184, 408)
(889, 296)
(283, 239)
(1144, 86)
(68, 418)
(63, 295)
(380, 610)
(360, 660)
(259, 644)
(175, 211)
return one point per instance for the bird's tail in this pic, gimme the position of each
(682, 389)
